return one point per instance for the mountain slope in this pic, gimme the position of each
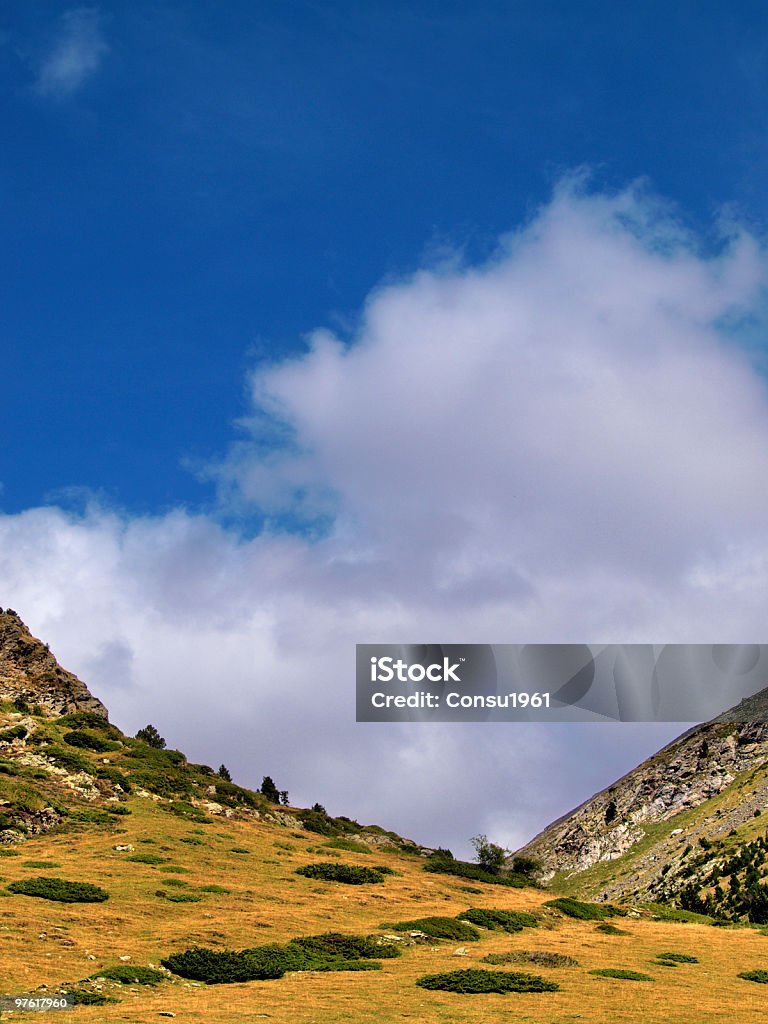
(181, 863)
(634, 839)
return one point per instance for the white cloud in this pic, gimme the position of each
(565, 444)
(75, 54)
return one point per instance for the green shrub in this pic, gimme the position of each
(346, 873)
(531, 957)
(188, 811)
(760, 976)
(499, 920)
(318, 822)
(192, 841)
(239, 849)
(679, 958)
(217, 967)
(583, 911)
(622, 975)
(128, 974)
(89, 997)
(59, 890)
(448, 866)
(439, 928)
(90, 720)
(40, 864)
(177, 882)
(474, 980)
(91, 816)
(178, 897)
(349, 965)
(119, 810)
(16, 732)
(114, 776)
(610, 929)
(68, 759)
(89, 741)
(9, 853)
(175, 869)
(237, 796)
(213, 888)
(338, 945)
(147, 858)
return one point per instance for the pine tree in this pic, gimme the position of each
(151, 737)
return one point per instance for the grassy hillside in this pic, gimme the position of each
(206, 864)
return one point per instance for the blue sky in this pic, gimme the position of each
(276, 275)
(220, 179)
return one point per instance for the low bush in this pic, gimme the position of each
(760, 976)
(449, 866)
(179, 883)
(174, 869)
(330, 952)
(346, 873)
(40, 864)
(179, 897)
(114, 776)
(119, 810)
(60, 890)
(147, 858)
(192, 841)
(319, 822)
(213, 888)
(583, 911)
(89, 997)
(9, 853)
(531, 957)
(239, 849)
(499, 920)
(91, 816)
(338, 945)
(89, 741)
(217, 967)
(90, 720)
(128, 974)
(678, 958)
(610, 929)
(69, 759)
(620, 974)
(439, 928)
(183, 809)
(16, 732)
(475, 980)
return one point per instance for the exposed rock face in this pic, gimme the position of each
(695, 767)
(29, 671)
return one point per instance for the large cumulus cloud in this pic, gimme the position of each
(567, 443)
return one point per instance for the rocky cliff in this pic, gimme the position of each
(709, 782)
(31, 674)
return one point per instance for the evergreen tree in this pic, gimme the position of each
(151, 737)
(270, 790)
(224, 773)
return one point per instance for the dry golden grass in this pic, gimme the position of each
(270, 903)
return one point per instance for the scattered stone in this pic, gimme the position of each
(166, 1013)
(461, 951)
(123, 848)
(124, 958)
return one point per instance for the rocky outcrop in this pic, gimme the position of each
(691, 770)
(30, 673)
